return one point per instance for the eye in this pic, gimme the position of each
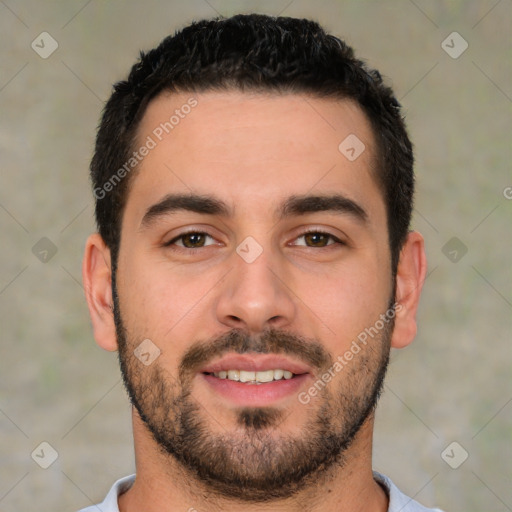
(190, 240)
(318, 239)
(198, 239)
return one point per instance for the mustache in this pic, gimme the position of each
(271, 341)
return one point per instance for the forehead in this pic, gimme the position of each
(252, 147)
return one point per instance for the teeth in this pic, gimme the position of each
(267, 376)
(247, 376)
(233, 375)
(278, 374)
(254, 377)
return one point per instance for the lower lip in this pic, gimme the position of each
(256, 394)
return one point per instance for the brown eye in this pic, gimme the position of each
(192, 240)
(318, 239)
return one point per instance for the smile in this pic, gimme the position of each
(250, 377)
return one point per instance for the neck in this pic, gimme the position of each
(163, 485)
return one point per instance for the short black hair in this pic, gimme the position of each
(255, 53)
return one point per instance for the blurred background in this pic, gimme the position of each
(444, 422)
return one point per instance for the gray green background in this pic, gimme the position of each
(452, 385)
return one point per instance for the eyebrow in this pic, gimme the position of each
(292, 206)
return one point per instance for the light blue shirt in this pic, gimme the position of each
(398, 502)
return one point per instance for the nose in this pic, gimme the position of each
(255, 295)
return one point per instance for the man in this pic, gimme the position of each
(253, 267)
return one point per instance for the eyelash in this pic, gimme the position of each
(169, 244)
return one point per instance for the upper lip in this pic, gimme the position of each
(256, 363)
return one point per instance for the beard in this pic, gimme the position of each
(254, 463)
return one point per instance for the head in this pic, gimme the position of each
(243, 122)
(253, 53)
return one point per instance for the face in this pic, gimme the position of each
(254, 250)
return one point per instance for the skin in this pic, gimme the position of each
(251, 150)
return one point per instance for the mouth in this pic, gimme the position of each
(256, 380)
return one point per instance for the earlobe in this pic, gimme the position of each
(97, 278)
(411, 272)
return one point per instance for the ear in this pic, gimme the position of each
(411, 272)
(97, 278)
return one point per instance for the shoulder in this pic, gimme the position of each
(398, 501)
(109, 504)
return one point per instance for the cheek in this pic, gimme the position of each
(347, 301)
(158, 301)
